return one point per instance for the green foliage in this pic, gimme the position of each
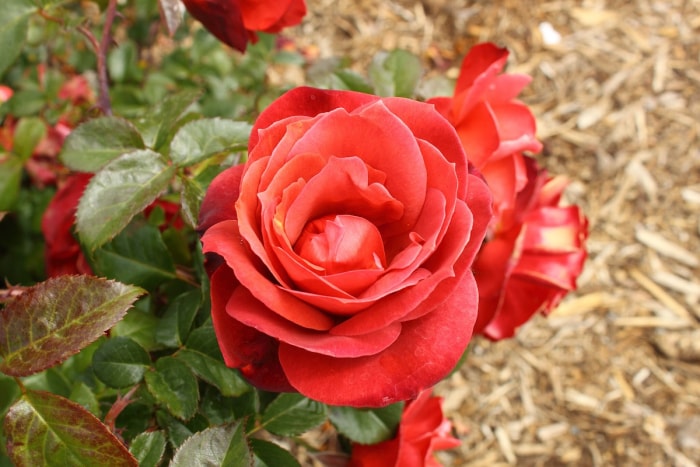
(292, 414)
(45, 429)
(120, 362)
(57, 318)
(14, 23)
(367, 426)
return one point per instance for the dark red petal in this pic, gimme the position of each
(241, 346)
(219, 203)
(223, 19)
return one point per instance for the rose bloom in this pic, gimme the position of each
(531, 265)
(341, 251)
(235, 22)
(494, 127)
(422, 431)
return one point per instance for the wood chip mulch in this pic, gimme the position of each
(612, 377)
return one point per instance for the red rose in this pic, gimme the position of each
(346, 243)
(530, 266)
(63, 255)
(422, 431)
(495, 128)
(235, 22)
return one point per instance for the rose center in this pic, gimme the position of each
(339, 243)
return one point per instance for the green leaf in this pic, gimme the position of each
(139, 326)
(82, 394)
(14, 23)
(291, 414)
(98, 141)
(175, 324)
(221, 445)
(148, 448)
(123, 188)
(200, 139)
(158, 127)
(395, 73)
(367, 426)
(55, 319)
(29, 131)
(46, 429)
(120, 362)
(175, 386)
(214, 372)
(9, 392)
(10, 181)
(272, 455)
(350, 80)
(136, 256)
(191, 199)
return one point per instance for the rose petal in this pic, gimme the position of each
(225, 240)
(241, 346)
(245, 308)
(219, 203)
(427, 349)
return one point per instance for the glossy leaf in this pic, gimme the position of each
(221, 445)
(148, 448)
(367, 426)
(395, 73)
(123, 188)
(82, 394)
(191, 199)
(27, 135)
(98, 141)
(45, 429)
(14, 22)
(175, 386)
(136, 256)
(159, 126)
(177, 320)
(55, 319)
(214, 372)
(292, 414)
(200, 139)
(120, 362)
(271, 455)
(139, 326)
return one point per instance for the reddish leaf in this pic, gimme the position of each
(46, 429)
(57, 318)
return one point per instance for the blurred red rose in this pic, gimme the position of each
(345, 246)
(422, 431)
(63, 254)
(235, 22)
(530, 266)
(495, 128)
(5, 93)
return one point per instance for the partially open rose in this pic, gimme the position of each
(344, 247)
(530, 266)
(495, 128)
(235, 22)
(422, 431)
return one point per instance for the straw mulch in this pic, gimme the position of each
(612, 377)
